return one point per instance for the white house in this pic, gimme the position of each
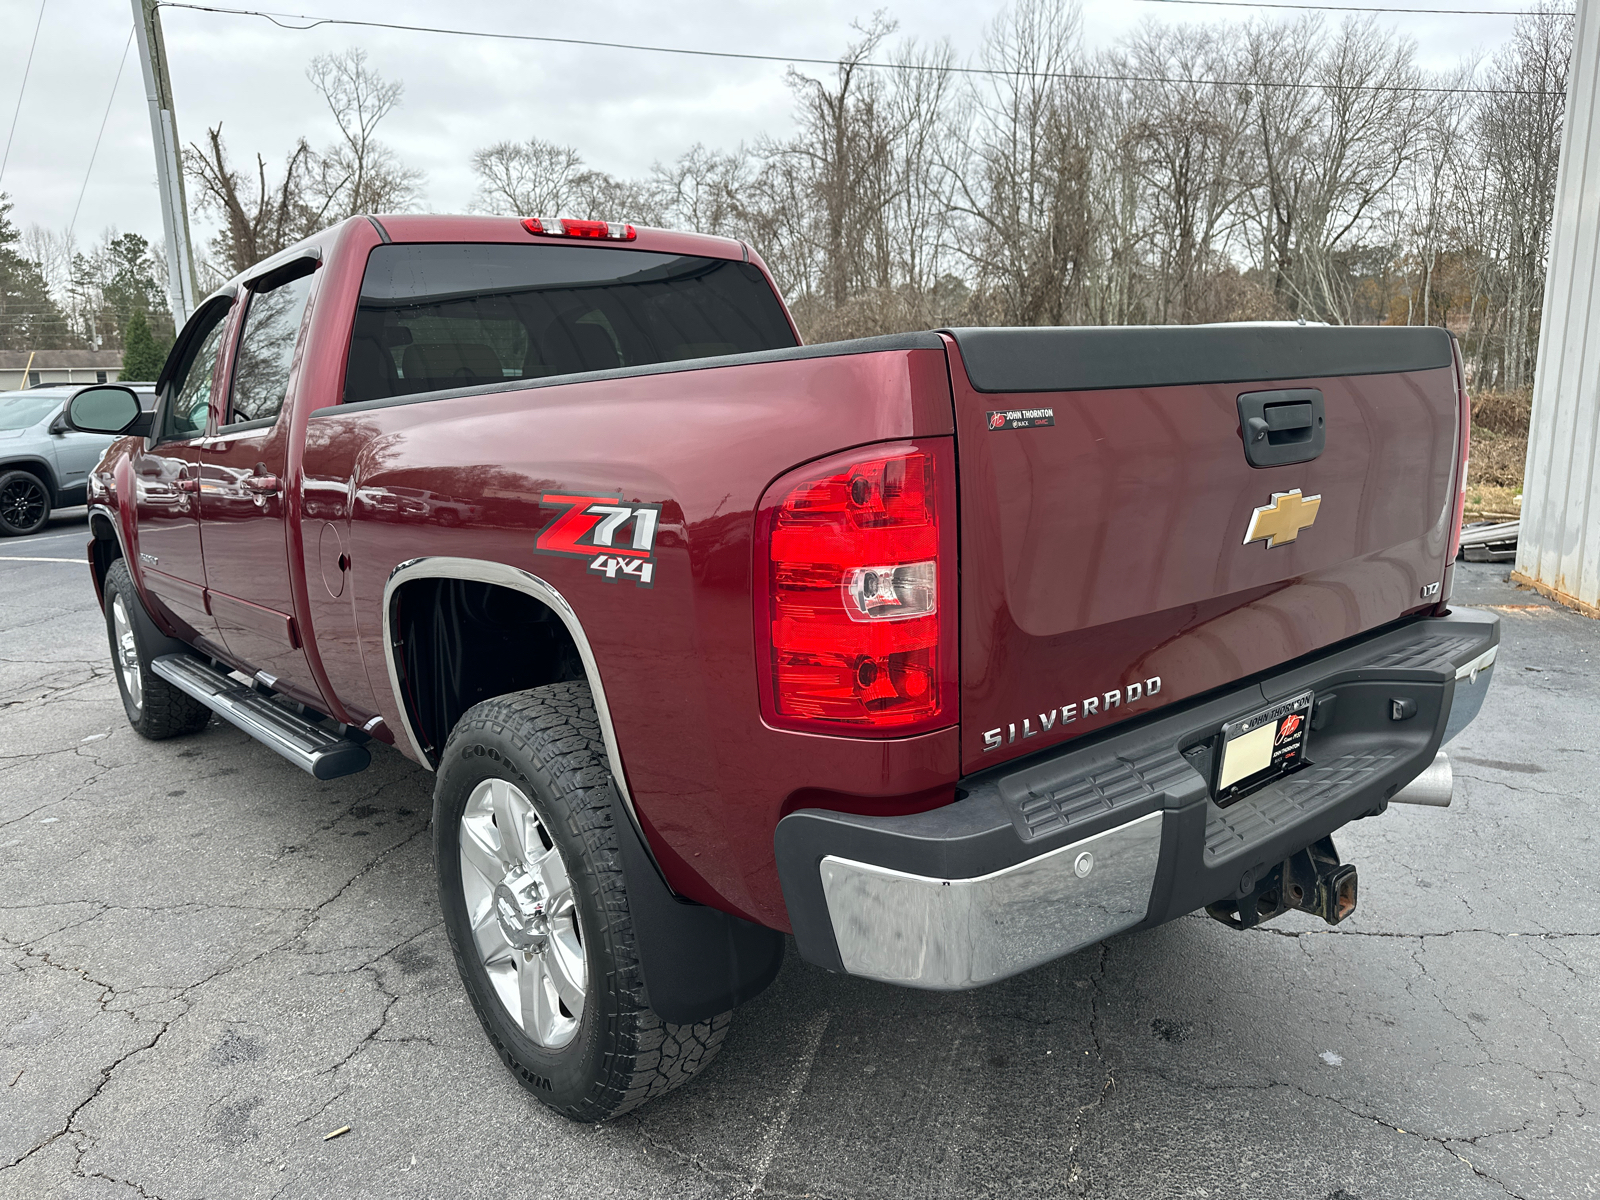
(28, 368)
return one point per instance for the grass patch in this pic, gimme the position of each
(1499, 449)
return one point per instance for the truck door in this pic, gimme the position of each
(167, 479)
(242, 509)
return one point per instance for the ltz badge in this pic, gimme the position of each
(617, 536)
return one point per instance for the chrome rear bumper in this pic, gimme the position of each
(959, 933)
(1051, 853)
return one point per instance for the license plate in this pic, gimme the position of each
(1262, 747)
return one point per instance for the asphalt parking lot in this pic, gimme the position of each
(211, 960)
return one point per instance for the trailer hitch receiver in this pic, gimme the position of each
(1312, 880)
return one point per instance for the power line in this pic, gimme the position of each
(279, 20)
(7, 157)
(73, 224)
(1367, 8)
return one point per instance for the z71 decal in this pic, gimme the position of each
(617, 537)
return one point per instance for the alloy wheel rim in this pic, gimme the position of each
(22, 503)
(126, 651)
(523, 913)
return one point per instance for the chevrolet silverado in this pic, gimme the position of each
(946, 653)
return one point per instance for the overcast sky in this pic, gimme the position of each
(622, 109)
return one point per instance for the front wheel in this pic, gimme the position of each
(536, 908)
(155, 708)
(24, 503)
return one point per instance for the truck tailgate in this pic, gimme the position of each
(1106, 499)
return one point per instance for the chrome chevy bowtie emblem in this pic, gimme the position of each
(1280, 522)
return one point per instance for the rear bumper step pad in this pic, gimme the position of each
(314, 749)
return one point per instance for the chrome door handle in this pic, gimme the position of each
(262, 485)
(188, 485)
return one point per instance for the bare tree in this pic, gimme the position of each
(526, 179)
(602, 197)
(1330, 153)
(1022, 167)
(1190, 173)
(357, 174)
(259, 217)
(1517, 137)
(841, 153)
(1191, 149)
(918, 210)
(1427, 195)
(701, 190)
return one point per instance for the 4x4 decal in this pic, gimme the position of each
(617, 536)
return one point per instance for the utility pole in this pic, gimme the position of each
(181, 283)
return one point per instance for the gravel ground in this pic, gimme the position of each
(208, 961)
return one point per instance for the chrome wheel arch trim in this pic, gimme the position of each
(100, 510)
(484, 571)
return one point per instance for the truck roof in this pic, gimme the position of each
(412, 228)
(442, 227)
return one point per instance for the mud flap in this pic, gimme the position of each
(697, 961)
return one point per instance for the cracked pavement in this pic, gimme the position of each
(209, 960)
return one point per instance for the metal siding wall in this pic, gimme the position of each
(1558, 551)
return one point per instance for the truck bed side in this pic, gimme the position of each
(676, 658)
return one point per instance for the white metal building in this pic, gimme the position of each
(1558, 551)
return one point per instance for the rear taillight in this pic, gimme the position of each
(615, 231)
(856, 609)
(1459, 500)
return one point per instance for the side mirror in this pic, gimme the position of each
(105, 408)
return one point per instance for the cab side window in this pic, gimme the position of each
(266, 348)
(190, 389)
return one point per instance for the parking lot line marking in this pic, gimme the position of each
(791, 1097)
(38, 558)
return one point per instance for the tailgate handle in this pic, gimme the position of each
(1282, 427)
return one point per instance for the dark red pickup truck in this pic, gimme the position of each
(948, 653)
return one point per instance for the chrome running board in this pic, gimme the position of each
(309, 746)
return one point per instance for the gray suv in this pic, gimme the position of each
(44, 464)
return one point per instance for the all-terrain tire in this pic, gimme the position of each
(547, 743)
(24, 503)
(155, 708)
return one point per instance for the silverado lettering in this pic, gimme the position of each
(993, 739)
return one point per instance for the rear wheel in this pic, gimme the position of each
(24, 503)
(537, 911)
(155, 708)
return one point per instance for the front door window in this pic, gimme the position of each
(167, 481)
(185, 415)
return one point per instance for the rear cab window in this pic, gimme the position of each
(434, 317)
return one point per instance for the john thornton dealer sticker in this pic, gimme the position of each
(1021, 418)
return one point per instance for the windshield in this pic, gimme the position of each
(20, 411)
(434, 317)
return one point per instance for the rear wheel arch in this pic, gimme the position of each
(698, 961)
(410, 694)
(106, 544)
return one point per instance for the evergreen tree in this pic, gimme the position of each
(142, 358)
(131, 283)
(29, 318)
